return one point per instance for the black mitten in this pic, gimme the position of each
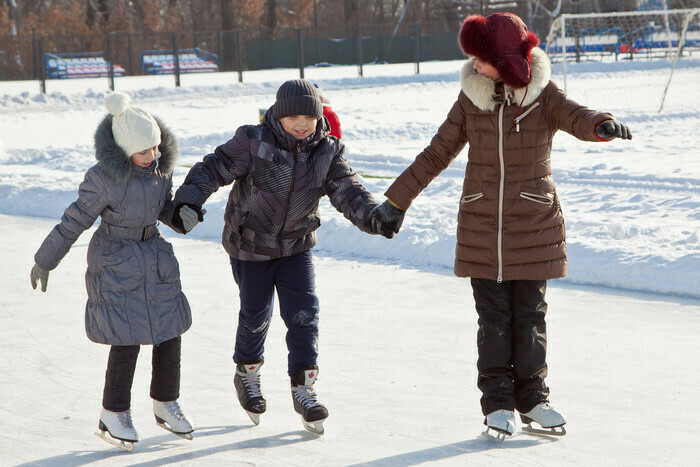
(610, 129)
(386, 219)
(187, 216)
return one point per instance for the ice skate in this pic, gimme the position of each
(551, 422)
(117, 429)
(247, 383)
(313, 413)
(502, 422)
(169, 416)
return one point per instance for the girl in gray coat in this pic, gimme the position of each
(133, 277)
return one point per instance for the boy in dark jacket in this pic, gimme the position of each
(510, 233)
(279, 170)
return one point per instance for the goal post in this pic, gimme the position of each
(631, 37)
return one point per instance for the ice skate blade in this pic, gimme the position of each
(121, 444)
(187, 436)
(552, 431)
(314, 427)
(500, 435)
(254, 417)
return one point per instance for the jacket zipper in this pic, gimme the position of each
(501, 188)
(297, 150)
(523, 115)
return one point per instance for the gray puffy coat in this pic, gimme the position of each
(133, 277)
(273, 207)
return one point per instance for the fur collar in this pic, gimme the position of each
(115, 162)
(481, 90)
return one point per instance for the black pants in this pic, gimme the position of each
(512, 343)
(294, 279)
(165, 376)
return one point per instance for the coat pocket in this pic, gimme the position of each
(470, 198)
(541, 198)
(168, 266)
(237, 232)
(121, 271)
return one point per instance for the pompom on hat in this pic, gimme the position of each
(502, 40)
(297, 97)
(134, 129)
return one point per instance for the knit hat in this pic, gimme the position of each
(134, 129)
(297, 97)
(502, 40)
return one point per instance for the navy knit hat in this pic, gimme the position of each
(297, 97)
(501, 39)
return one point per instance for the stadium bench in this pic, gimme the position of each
(160, 62)
(79, 65)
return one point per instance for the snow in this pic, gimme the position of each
(398, 330)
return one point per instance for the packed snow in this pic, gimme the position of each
(398, 330)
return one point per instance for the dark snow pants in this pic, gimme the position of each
(512, 344)
(165, 375)
(294, 279)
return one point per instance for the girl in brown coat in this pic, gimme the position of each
(510, 236)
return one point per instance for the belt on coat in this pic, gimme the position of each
(131, 233)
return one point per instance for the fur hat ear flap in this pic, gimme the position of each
(474, 36)
(531, 42)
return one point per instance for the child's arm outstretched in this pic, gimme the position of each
(227, 163)
(346, 193)
(444, 147)
(582, 122)
(76, 219)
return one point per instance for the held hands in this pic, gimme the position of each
(37, 275)
(386, 219)
(188, 216)
(610, 129)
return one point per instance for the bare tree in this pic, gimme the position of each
(270, 17)
(97, 13)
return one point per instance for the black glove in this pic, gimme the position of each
(187, 217)
(39, 275)
(610, 129)
(386, 219)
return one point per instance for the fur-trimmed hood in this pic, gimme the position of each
(115, 162)
(482, 90)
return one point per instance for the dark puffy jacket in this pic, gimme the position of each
(272, 210)
(133, 277)
(510, 224)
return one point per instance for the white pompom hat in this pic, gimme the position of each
(134, 129)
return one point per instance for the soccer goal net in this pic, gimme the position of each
(655, 56)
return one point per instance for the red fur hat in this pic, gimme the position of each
(501, 39)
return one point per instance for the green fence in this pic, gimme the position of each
(21, 56)
(283, 53)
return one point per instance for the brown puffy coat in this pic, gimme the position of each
(510, 224)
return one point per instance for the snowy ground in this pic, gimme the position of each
(398, 351)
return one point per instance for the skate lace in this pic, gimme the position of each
(252, 384)
(174, 409)
(125, 419)
(306, 396)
